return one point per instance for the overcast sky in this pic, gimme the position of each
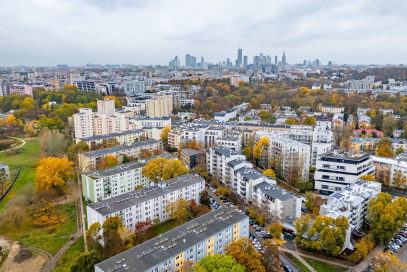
(76, 32)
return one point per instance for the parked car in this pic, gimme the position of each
(288, 236)
(304, 210)
(267, 236)
(286, 268)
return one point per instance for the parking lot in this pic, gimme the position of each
(398, 244)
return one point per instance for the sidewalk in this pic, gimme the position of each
(368, 259)
(298, 256)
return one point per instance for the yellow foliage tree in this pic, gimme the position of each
(270, 173)
(179, 210)
(223, 191)
(154, 169)
(11, 120)
(52, 173)
(368, 178)
(290, 121)
(173, 168)
(45, 214)
(164, 134)
(386, 262)
(29, 130)
(259, 147)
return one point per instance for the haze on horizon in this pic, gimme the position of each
(76, 32)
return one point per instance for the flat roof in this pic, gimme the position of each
(98, 137)
(275, 191)
(173, 242)
(191, 152)
(107, 150)
(120, 202)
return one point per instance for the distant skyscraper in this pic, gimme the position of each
(275, 60)
(174, 63)
(245, 62)
(239, 57)
(187, 60)
(305, 63)
(255, 60)
(330, 63)
(268, 59)
(284, 59)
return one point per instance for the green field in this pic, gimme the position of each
(296, 262)
(323, 267)
(66, 260)
(161, 228)
(27, 159)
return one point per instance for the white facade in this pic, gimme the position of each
(335, 171)
(393, 166)
(83, 123)
(351, 202)
(225, 115)
(331, 109)
(147, 203)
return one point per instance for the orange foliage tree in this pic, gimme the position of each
(52, 173)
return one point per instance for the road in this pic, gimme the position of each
(283, 258)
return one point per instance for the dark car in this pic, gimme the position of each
(267, 236)
(304, 210)
(287, 268)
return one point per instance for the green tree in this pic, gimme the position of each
(218, 263)
(310, 121)
(86, 261)
(399, 150)
(267, 117)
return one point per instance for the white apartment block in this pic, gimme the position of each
(148, 202)
(351, 202)
(117, 180)
(192, 241)
(390, 167)
(231, 142)
(106, 107)
(89, 161)
(212, 134)
(126, 137)
(225, 115)
(336, 170)
(83, 123)
(277, 201)
(332, 109)
(289, 155)
(149, 122)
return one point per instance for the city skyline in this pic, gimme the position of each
(137, 32)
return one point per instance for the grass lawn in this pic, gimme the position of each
(51, 238)
(322, 267)
(164, 227)
(29, 157)
(66, 260)
(296, 261)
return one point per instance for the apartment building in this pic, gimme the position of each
(83, 123)
(21, 89)
(225, 115)
(113, 181)
(148, 122)
(89, 161)
(336, 170)
(192, 157)
(212, 134)
(289, 156)
(232, 142)
(351, 202)
(122, 138)
(160, 106)
(148, 202)
(390, 169)
(217, 159)
(106, 107)
(277, 201)
(192, 241)
(332, 109)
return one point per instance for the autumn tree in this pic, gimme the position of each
(145, 153)
(29, 130)
(52, 173)
(361, 250)
(45, 214)
(276, 230)
(112, 224)
(223, 191)
(164, 134)
(260, 147)
(271, 255)
(179, 210)
(383, 148)
(93, 236)
(290, 121)
(270, 173)
(15, 216)
(267, 117)
(388, 125)
(173, 168)
(109, 161)
(244, 253)
(154, 169)
(386, 216)
(387, 262)
(310, 121)
(218, 262)
(400, 180)
(368, 177)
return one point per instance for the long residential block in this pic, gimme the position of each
(148, 202)
(192, 241)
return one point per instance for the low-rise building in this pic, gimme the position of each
(121, 138)
(337, 170)
(192, 157)
(332, 109)
(225, 115)
(148, 202)
(192, 241)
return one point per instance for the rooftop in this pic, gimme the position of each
(129, 199)
(119, 148)
(100, 137)
(172, 243)
(191, 152)
(274, 191)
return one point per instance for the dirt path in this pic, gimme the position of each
(21, 140)
(33, 264)
(52, 263)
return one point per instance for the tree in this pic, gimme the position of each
(112, 224)
(257, 150)
(271, 256)
(368, 177)
(244, 253)
(218, 263)
(52, 173)
(204, 198)
(361, 250)
(86, 261)
(173, 168)
(399, 150)
(387, 262)
(154, 169)
(276, 230)
(29, 130)
(270, 173)
(290, 121)
(53, 142)
(15, 216)
(310, 121)
(109, 161)
(386, 216)
(45, 215)
(145, 153)
(267, 117)
(164, 134)
(223, 191)
(385, 151)
(400, 180)
(11, 120)
(73, 155)
(113, 244)
(388, 125)
(93, 236)
(179, 210)
(254, 103)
